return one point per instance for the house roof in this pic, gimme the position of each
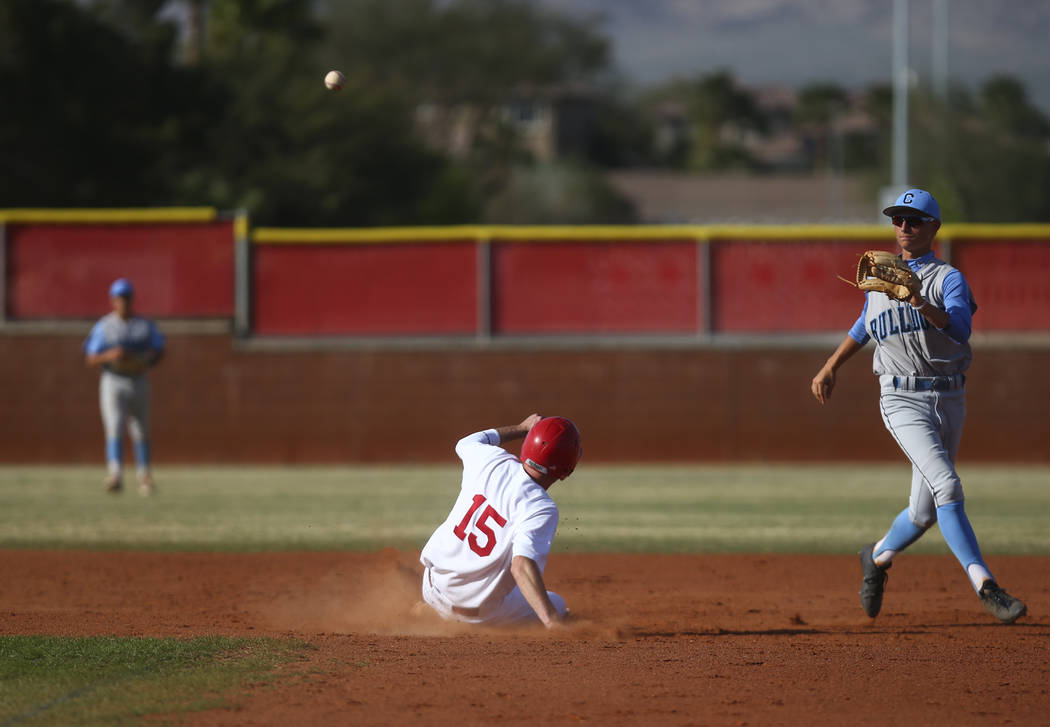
(663, 197)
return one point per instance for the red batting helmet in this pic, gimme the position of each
(552, 447)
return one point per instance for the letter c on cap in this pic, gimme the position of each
(908, 198)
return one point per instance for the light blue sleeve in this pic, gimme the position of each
(96, 343)
(960, 305)
(859, 331)
(156, 338)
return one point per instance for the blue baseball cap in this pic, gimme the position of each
(915, 202)
(121, 287)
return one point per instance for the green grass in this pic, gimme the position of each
(105, 680)
(756, 508)
(743, 508)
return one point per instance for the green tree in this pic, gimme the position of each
(1005, 106)
(722, 113)
(821, 117)
(986, 160)
(463, 66)
(718, 114)
(464, 51)
(101, 113)
(982, 172)
(90, 113)
(294, 153)
(103, 106)
(137, 20)
(622, 134)
(821, 103)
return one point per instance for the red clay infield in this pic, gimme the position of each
(656, 639)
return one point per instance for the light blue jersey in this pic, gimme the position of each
(136, 335)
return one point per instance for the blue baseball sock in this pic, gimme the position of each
(142, 453)
(114, 450)
(958, 533)
(903, 532)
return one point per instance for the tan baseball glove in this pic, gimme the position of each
(884, 272)
(131, 364)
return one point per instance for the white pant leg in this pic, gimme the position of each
(138, 409)
(515, 609)
(928, 428)
(112, 398)
(922, 509)
(434, 598)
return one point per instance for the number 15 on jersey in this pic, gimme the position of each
(481, 525)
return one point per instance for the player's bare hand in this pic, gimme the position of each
(822, 385)
(529, 421)
(116, 353)
(517, 431)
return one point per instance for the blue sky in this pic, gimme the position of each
(800, 41)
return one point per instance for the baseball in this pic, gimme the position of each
(334, 80)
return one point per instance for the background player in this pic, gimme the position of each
(922, 352)
(125, 346)
(485, 563)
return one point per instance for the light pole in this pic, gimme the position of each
(940, 49)
(900, 94)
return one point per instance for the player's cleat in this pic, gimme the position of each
(114, 485)
(146, 486)
(874, 582)
(1001, 604)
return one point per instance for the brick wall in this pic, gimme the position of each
(215, 402)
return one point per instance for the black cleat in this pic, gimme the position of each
(1001, 604)
(114, 484)
(874, 582)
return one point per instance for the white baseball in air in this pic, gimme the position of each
(334, 80)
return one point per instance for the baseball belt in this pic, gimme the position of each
(468, 612)
(464, 611)
(929, 383)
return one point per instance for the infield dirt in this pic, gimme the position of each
(654, 639)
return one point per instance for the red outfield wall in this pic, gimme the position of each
(486, 282)
(214, 402)
(217, 400)
(1008, 278)
(594, 287)
(64, 270)
(673, 285)
(365, 289)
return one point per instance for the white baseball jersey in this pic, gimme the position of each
(500, 513)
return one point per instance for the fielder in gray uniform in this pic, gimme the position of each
(922, 352)
(125, 346)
